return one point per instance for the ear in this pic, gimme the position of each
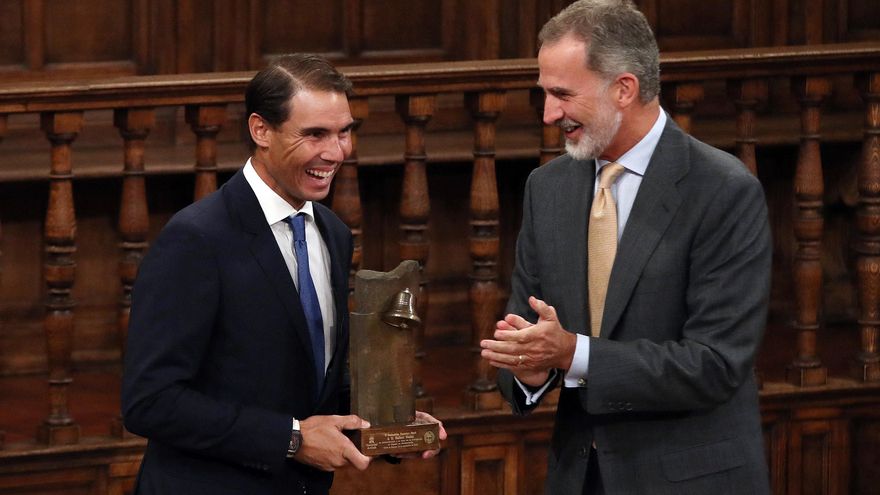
(627, 88)
(259, 130)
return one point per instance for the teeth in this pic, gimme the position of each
(320, 173)
(568, 125)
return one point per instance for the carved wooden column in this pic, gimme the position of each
(683, 98)
(807, 369)
(551, 135)
(134, 125)
(415, 207)
(206, 121)
(485, 108)
(867, 362)
(747, 94)
(347, 196)
(59, 269)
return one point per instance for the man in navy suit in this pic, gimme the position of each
(235, 366)
(655, 356)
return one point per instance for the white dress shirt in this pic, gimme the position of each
(276, 210)
(624, 190)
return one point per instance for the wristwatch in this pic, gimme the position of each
(296, 439)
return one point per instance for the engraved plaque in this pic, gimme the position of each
(381, 362)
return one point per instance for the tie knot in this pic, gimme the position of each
(297, 224)
(609, 174)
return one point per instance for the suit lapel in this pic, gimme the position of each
(654, 208)
(264, 248)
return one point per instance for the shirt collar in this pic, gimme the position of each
(274, 207)
(637, 158)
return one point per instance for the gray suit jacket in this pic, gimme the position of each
(670, 400)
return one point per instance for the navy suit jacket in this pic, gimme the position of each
(670, 398)
(218, 356)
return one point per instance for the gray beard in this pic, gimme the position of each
(591, 145)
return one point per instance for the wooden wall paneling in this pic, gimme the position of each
(682, 98)
(231, 35)
(775, 426)
(302, 26)
(478, 29)
(865, 449)
(415, 208)
(2, 134)
(858, 20)
(86, 33)
(12, 35)
(818, 457)
(488, 469)
(402, 29)
(34, 34)
(162, 33)
(747, 95)
(697, 24)
(61, 128)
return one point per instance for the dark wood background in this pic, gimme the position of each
(822, 434)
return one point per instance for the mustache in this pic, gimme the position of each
(567, 124)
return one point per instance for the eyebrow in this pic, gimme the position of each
(319, 129)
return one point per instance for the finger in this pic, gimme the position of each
(544, 310)
(352, 422)
(500, 347)
(430, 453)
(503, 325)
(517, 321)
(355, 458)
(501, 357)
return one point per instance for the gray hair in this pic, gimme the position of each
(618, 40)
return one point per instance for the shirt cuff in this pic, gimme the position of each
(533, 397)
(576, 376)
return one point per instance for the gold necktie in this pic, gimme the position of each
(601, 243)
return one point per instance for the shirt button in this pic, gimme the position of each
(582, 382)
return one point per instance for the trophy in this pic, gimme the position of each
(381, 361)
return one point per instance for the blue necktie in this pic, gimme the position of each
(307, 294)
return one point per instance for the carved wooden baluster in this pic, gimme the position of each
(347, 195)
(807, 369)
(134, 125)
(485, 108)
(867, 362)
(747, 94)
(206, 121)
(684, 98)
(59, 269)
(415, 207)
(551, 135)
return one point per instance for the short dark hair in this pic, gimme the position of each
(618, 38)
(268, 94)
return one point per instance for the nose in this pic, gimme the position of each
(336, 150)
(552, 110)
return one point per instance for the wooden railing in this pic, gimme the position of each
(793, 83)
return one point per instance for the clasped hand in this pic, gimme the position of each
(530, 350)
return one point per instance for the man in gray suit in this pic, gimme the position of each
(655, 363)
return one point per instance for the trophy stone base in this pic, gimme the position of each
(398, 438)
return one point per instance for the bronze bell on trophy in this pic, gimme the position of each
(401, 312)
